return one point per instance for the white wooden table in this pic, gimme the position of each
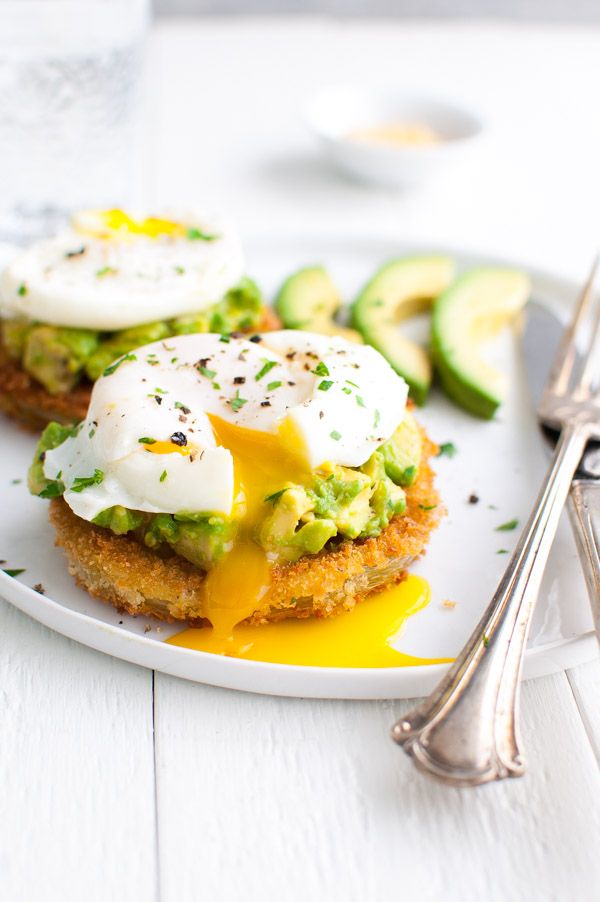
(120, 784)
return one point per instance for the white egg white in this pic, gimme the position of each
(328, 401)
(79, 280)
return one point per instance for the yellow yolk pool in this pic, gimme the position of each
(238, 584)
(361, 637)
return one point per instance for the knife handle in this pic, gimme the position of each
(585, 518)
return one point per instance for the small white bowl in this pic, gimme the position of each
(336, 112)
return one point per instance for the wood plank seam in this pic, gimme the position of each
(156, 813)
(587, 726)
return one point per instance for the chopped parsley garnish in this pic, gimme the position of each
(353, 384)
(216, 386)
(84, 482)
(508, 526)
(52, 490)
(346, 391)
(336, 436)
(16, 481)
(359, 401)
(106, 271)
(237, 403)
(325, 385)
(225, 339)
(427, 507)
(144, 440)
(163, 476)
(486, 640)
(182, 407)
(502, 551)
(376, 419)
(161, 391)
(321, 369)
(91, 434)
(179, 270)
(174, 359)
(115, 366)
(448, 449)
(22, 290)
(16, 572)
(195, 234)
(273, 385)
(210, 374)
(266, 368)
(275, 496)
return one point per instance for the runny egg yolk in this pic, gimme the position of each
(362, 637)
(238, 584)
(110, 223)
(168, 448)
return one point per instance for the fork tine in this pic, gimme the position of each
(590, 363)
(562, 367)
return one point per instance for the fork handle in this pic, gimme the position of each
(465, 733)
(585, 519)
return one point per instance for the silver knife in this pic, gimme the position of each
(541, 336)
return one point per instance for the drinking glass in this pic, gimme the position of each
(70, 100)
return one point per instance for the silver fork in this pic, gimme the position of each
(466, 732)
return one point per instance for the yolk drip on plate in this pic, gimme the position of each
(362, 637)
(238, 584)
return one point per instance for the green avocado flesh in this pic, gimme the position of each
(399, 290)
(309, 300)
(59, 358)
(471, 311)
(345, 502)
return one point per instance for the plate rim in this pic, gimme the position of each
(281, 679)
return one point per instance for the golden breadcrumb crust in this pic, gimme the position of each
(24, 399)
(124, 573)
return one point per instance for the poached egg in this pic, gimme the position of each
(111, 271)
(214, 424)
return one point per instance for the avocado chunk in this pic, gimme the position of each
(53, 435)
(387, 499)
(401, 289)
(472, 310)
(56, 356)
(200, 538)
(240, 310)
(119, 520)
(121, 343)
(292, 529)
(402, 452)
(14, 336)
(309, 300)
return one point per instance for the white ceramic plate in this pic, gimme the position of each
(503, 462)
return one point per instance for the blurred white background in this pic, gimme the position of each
(540, 10)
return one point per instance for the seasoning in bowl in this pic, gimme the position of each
(398, 134)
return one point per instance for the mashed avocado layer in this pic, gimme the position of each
(59, 358)
(337, 502)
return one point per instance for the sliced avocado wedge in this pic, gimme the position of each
(472, 310)
(397, 291)
(309, 300)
